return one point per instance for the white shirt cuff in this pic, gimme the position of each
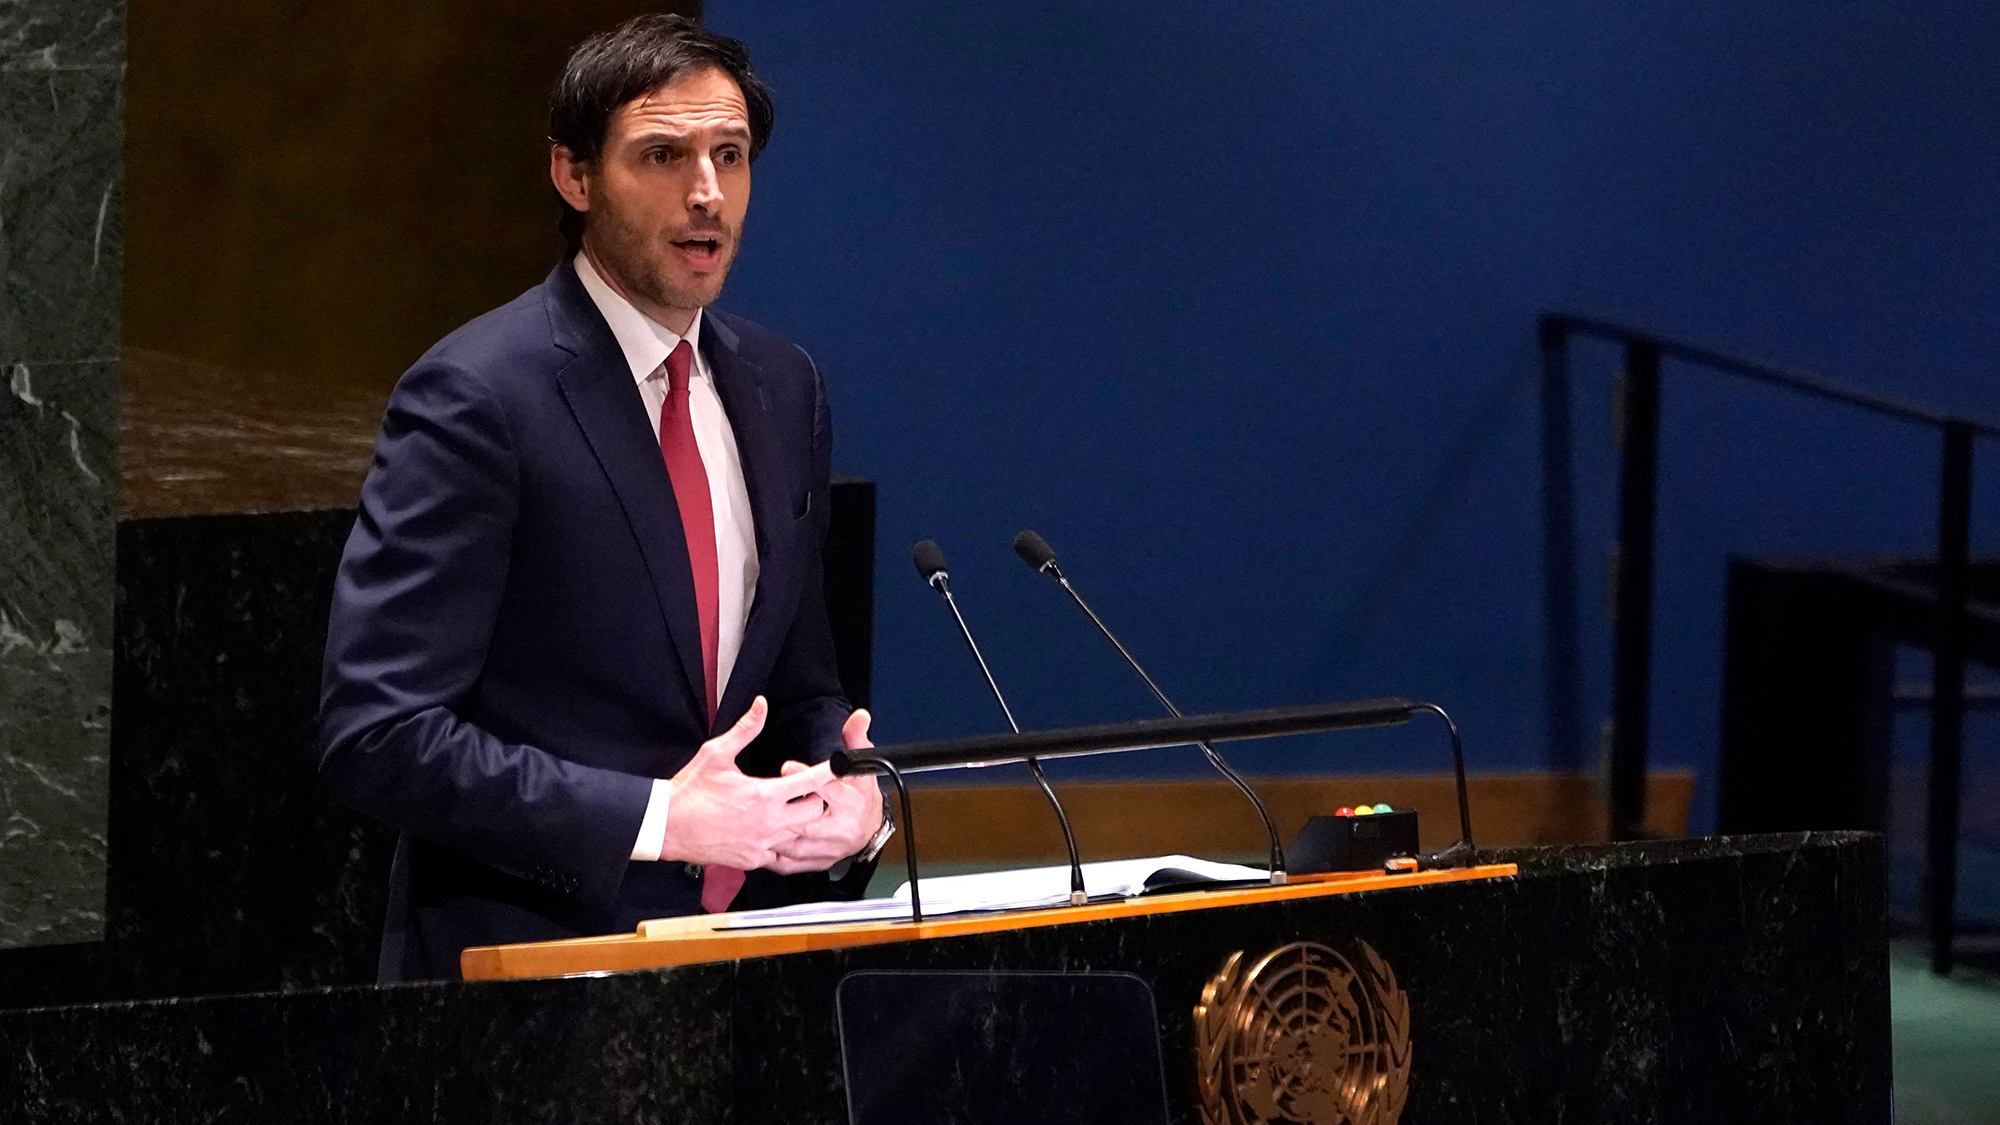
(653, 827)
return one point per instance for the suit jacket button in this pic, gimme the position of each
(691, 870)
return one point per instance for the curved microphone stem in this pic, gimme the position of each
(1462, 853)
(1214, 758)
(1077, 895)
(872, 764)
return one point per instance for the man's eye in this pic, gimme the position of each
(658, 156)
(729, 156)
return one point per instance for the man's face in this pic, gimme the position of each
(666, 197)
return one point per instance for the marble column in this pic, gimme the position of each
(61, 170)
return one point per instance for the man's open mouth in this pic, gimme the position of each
(700, 247)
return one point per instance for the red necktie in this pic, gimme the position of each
(690, 479)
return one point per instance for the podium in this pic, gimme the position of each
(953, 1045)
(1736, 979)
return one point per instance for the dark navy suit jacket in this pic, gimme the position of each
(514, 654)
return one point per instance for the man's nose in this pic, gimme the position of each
(706, 193)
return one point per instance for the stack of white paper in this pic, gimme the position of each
(1025, 889)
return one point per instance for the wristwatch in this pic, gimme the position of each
(880, 839)
(867, 854)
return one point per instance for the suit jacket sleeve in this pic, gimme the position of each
(413, 609)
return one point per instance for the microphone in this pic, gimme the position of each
(1036, 552)
(929, 559)
(930, 565)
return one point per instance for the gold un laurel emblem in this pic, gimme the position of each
(1305, 1036)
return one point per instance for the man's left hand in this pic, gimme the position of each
(852, 816)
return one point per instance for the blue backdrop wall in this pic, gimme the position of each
(1235, 303)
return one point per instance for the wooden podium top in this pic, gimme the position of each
(694, 940)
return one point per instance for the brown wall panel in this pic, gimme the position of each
(319, 190)
(1013, 824)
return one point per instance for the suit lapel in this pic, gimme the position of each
(597, 384)
(739, 383)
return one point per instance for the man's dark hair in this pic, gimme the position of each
(630, 61)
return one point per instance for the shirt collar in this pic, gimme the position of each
(645, 342)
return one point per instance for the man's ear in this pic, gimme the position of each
(571, 177)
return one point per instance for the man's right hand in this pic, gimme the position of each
(719, 814)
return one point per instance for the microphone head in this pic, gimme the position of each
(1036, 552)
(929, 558)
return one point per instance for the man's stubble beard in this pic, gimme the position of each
(622, 247)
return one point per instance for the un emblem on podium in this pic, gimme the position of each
(1305, 1035)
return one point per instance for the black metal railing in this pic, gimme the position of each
(1638, 440)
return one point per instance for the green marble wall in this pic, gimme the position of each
(61, 219)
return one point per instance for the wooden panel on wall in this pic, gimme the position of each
(322, 189)
(1013, 823)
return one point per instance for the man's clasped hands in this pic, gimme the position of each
(805, 819)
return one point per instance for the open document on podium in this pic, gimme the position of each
(1028, 888)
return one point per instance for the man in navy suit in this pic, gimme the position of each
(579, 653)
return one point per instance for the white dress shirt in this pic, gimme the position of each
(646, 345)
